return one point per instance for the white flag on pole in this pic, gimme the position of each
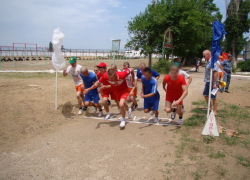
(57, 57)
(211, 127)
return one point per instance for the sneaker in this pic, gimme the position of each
(227, 91)
(151, 113)
(129, 113)
(180, 121)
(123, 123)
(107, 117)
(156, 120)
(132, 106)
(84, 108)
(80, 111)
(173, 114)
(135, 107)
(109, 102)
(100, 114)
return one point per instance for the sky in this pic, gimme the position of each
(87, 24)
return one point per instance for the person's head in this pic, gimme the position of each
(112, 74)
(72, 61)
(102, 67)
(114, 66)
(207, 55)
(230, 57)
(96, 70)
(126, 65)
(84, 71)
(174, 70)
(142, 66)
(147, 73)
(176, 60)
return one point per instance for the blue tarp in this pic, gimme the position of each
(218, 32)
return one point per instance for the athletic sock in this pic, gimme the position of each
(174, 110)
(100, 110)
(180, 117)
(80, 108)
(123, 119)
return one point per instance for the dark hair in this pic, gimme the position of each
(147, 69)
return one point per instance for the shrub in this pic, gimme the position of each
(246, 66)
(162, 66)
(240, 64)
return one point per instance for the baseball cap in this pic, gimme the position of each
(230, 55)
(176, 64)
(72, 60)
(220, 57)
(101, 65)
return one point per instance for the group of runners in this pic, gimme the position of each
(120, 85)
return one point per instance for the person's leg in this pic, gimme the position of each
(79, 98)
(228, 81)
(215, 106)
(168, 107)
(180, 113)
(123, 112)
(106, 107)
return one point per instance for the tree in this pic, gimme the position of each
(50, 46)
(190, 21)
(236, 24)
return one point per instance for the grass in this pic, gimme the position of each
(221, 171)
(245, 161)
(229, 140)
(208, 139)
(219, 154)
(29, 75)
(198, 174)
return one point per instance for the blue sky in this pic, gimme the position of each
(87, 24)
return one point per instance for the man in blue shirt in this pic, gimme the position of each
(227, 70)
(149, 93)
(140, 70)
(89, 78)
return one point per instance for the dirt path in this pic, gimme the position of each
(40, 143)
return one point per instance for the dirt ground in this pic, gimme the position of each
(39, 142)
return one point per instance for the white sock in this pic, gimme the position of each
(123, 119)
(108, 113)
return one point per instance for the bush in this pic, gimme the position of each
(240, 64)
(246, 66)
(162, 66)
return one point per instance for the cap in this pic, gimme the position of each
(176, 64)
(72, 60)
(101, 65)
(230, 55)
(220, 57)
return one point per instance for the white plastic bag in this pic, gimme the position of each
(57, 57)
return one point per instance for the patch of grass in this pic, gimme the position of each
(200, 103)
(229, 140)
(198, 174)
(245, 161)
(195, 120)
(208, 139)
(221, 171)
(29, 75)
(219, 154)
(198, 111)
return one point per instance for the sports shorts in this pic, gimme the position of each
(92, 97)
(79, 88)
(135, 91)
(123, 94)
(149, 104)
(172, 99)
(108, 92)
(206, 91)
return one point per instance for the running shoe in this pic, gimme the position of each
(84, 108)
(135, 107)
(156, 120)
(180, 121)
(123, 123)
(173, 114)
(107, 117)
(80, 111)
(100, 114)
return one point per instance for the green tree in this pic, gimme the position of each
(190, 21)
(236, 24)
(50, 46)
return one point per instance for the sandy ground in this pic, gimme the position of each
(38, 142)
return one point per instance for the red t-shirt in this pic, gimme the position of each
(174, 88)
(120, 83)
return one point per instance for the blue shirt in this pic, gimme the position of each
(139, 73)
(150, 86)
(208, 70)
(227, 65)
(89, 81)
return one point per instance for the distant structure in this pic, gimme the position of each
(137, 54)
(246, 56)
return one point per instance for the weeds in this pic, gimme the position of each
(208, 139)
(219, 154)
(222, 172)
(245, 161)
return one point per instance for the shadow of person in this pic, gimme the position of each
(67, 110)
(110, 123)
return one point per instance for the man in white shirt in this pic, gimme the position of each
(74, 71)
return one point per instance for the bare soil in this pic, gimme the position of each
(39, 142)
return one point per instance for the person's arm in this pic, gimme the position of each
(142, 90)
(215, 79)
(164, 84)
(156, 75)
(189, 80)
(64, 73)
(184, 94)
(153, 91)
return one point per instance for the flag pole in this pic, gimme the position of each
(56, 93)
(210, 87)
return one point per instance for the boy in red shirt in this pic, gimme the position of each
(176, 90)
(119, 87)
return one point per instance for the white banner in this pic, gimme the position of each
(57, 57)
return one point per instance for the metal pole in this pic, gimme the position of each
(56, 93)
(113, 57)
(209, 97)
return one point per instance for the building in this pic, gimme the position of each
(247, 52)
